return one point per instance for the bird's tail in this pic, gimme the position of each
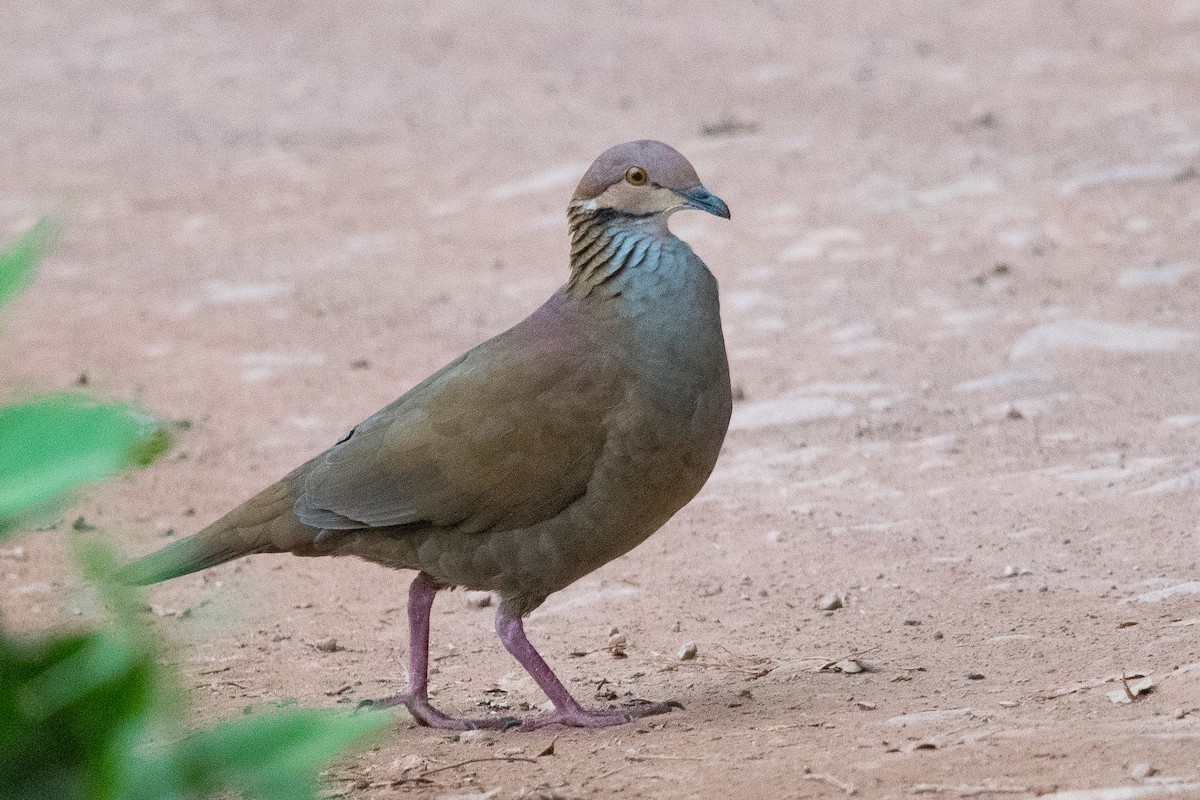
(263, 524)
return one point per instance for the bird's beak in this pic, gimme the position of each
(700, 198)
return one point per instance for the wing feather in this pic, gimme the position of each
(506, 436)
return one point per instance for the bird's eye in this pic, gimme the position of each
(636, 176)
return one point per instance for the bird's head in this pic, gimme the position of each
(643, 179)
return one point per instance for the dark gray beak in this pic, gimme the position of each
(700, 198)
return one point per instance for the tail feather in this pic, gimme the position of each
(192, 554)
(263, 524)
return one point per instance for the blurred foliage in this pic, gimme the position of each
(18, 261)
(55, 443)
(95, 715)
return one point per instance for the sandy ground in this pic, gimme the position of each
(960, 295)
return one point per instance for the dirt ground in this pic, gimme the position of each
(960, 297)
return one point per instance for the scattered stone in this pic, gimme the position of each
(775, 537)
(1178, 713)
(1010, 571)
(829, 602)
(329, 645)
(632, 754)
(1008, 704)
(975, 676)
(411, 763)
(479, 599)
(14, 553)
(1141, 771)
(475, 737)
(728, 126)
(616, 645)
(687, 651)
(848, 666)
(984, 118)
(864, 706)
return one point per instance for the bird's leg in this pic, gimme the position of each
(416, 697)
(567, 710)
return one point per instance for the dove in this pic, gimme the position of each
(534, 458)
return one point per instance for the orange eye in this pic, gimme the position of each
(636, 176)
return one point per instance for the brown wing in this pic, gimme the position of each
(504, 437)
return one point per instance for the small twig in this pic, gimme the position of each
(964, 790)
(510, 759)
(1125, 685)
(832, 780)
(610, 773)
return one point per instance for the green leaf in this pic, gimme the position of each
(270, 757)
(54, 443)
(18, 261)
(70, 705)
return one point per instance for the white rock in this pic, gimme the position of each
(1141, 771)
(829, 602)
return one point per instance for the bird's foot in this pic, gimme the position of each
(601, 718)
(424, 714)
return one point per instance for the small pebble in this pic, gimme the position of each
(774, 537)
(975, 676)
(848, 666)
(829, 602)
(632, 754)
(329, 645)
(1141, 771)
(1178, 713)
(474, 737)
(616, 645)
(13, 553)
(687, 651)
(479, 599)
(408, 764)
(1008, 703)
(1010, 571)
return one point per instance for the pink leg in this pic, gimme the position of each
(416, 698)
(567, 710)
